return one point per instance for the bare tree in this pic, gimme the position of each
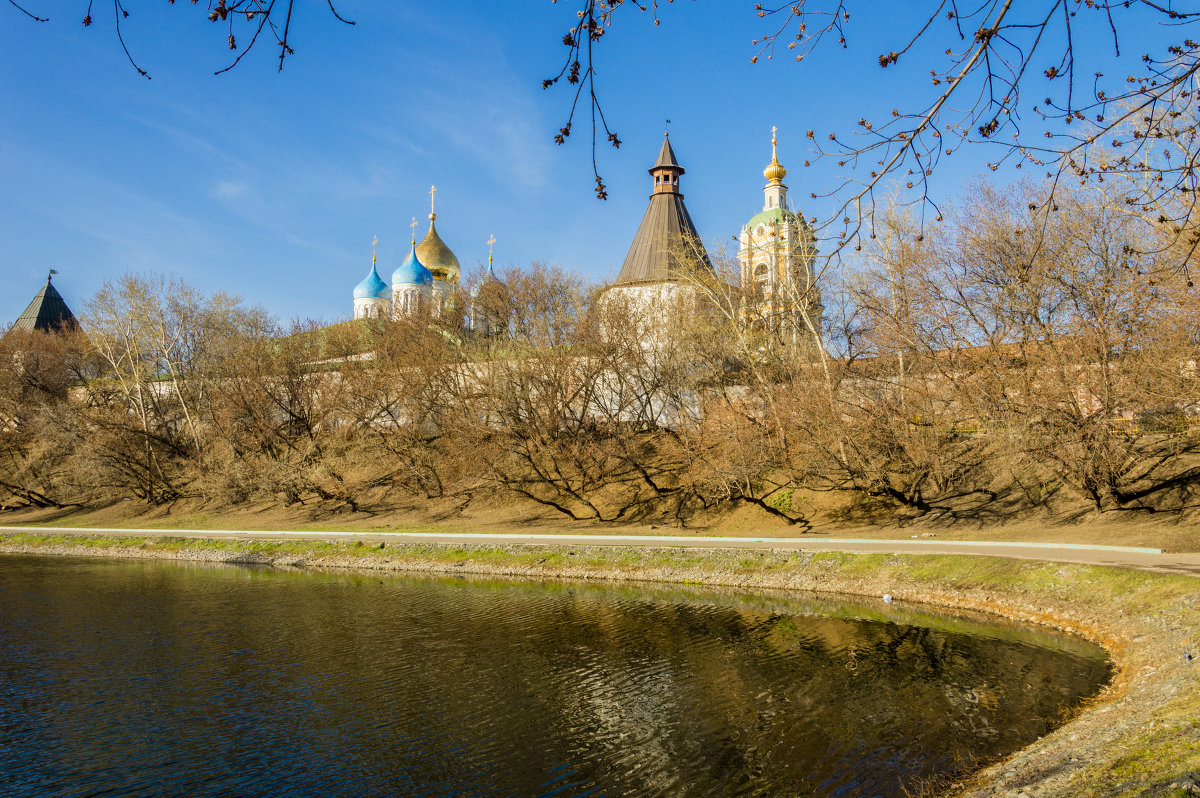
(37, 373)
(247, 19)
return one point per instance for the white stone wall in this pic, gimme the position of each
(368, 308)
(409, 301)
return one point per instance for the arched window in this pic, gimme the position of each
(760, 280)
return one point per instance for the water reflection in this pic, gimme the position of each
(152, 678)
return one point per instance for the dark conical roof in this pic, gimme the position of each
(666, 228)
(46, 313)
(667, 241)
(666, 158)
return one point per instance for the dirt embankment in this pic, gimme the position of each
(1139, 737)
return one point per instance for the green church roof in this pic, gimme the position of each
(777, 215)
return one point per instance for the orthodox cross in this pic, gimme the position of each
(373, 244)
(432, 193)
(491, 241)
(414, 229)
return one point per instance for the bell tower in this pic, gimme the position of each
(777, 256)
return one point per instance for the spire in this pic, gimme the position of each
(666, 157)
(774, 171)
(775, 192)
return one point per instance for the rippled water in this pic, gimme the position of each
(150, 678)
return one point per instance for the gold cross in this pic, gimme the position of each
(414, 229)
(432, 192)
(491, 241)
(373, 243)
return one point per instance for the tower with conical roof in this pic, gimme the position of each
(372, 297)
(777, 256)
(47, 312)
(440, 261)
(666, 246)
(657, 281)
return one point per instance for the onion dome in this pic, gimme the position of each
(774, 171)
(434, 253)
(372, 287)
(412, 272)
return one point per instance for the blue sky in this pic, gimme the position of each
(271, 185)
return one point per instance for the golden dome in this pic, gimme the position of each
(774, 171)
(436, 256)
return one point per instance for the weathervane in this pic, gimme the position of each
(51, 274)
(667, 128)
(432, 193)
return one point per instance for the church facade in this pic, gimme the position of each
(425, 284)
(666, 260)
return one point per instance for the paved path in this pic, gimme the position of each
(1121, 556)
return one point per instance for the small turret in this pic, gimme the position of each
(489, 315)
(372, 297)
(412, 284)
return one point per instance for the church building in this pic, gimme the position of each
(777, 255)
(666, 260)
(425, 284)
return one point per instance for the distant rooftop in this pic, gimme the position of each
(48, 312)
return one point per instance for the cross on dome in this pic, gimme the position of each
(774, 171)
(432, 196)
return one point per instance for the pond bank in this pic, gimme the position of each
(1139, 737)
